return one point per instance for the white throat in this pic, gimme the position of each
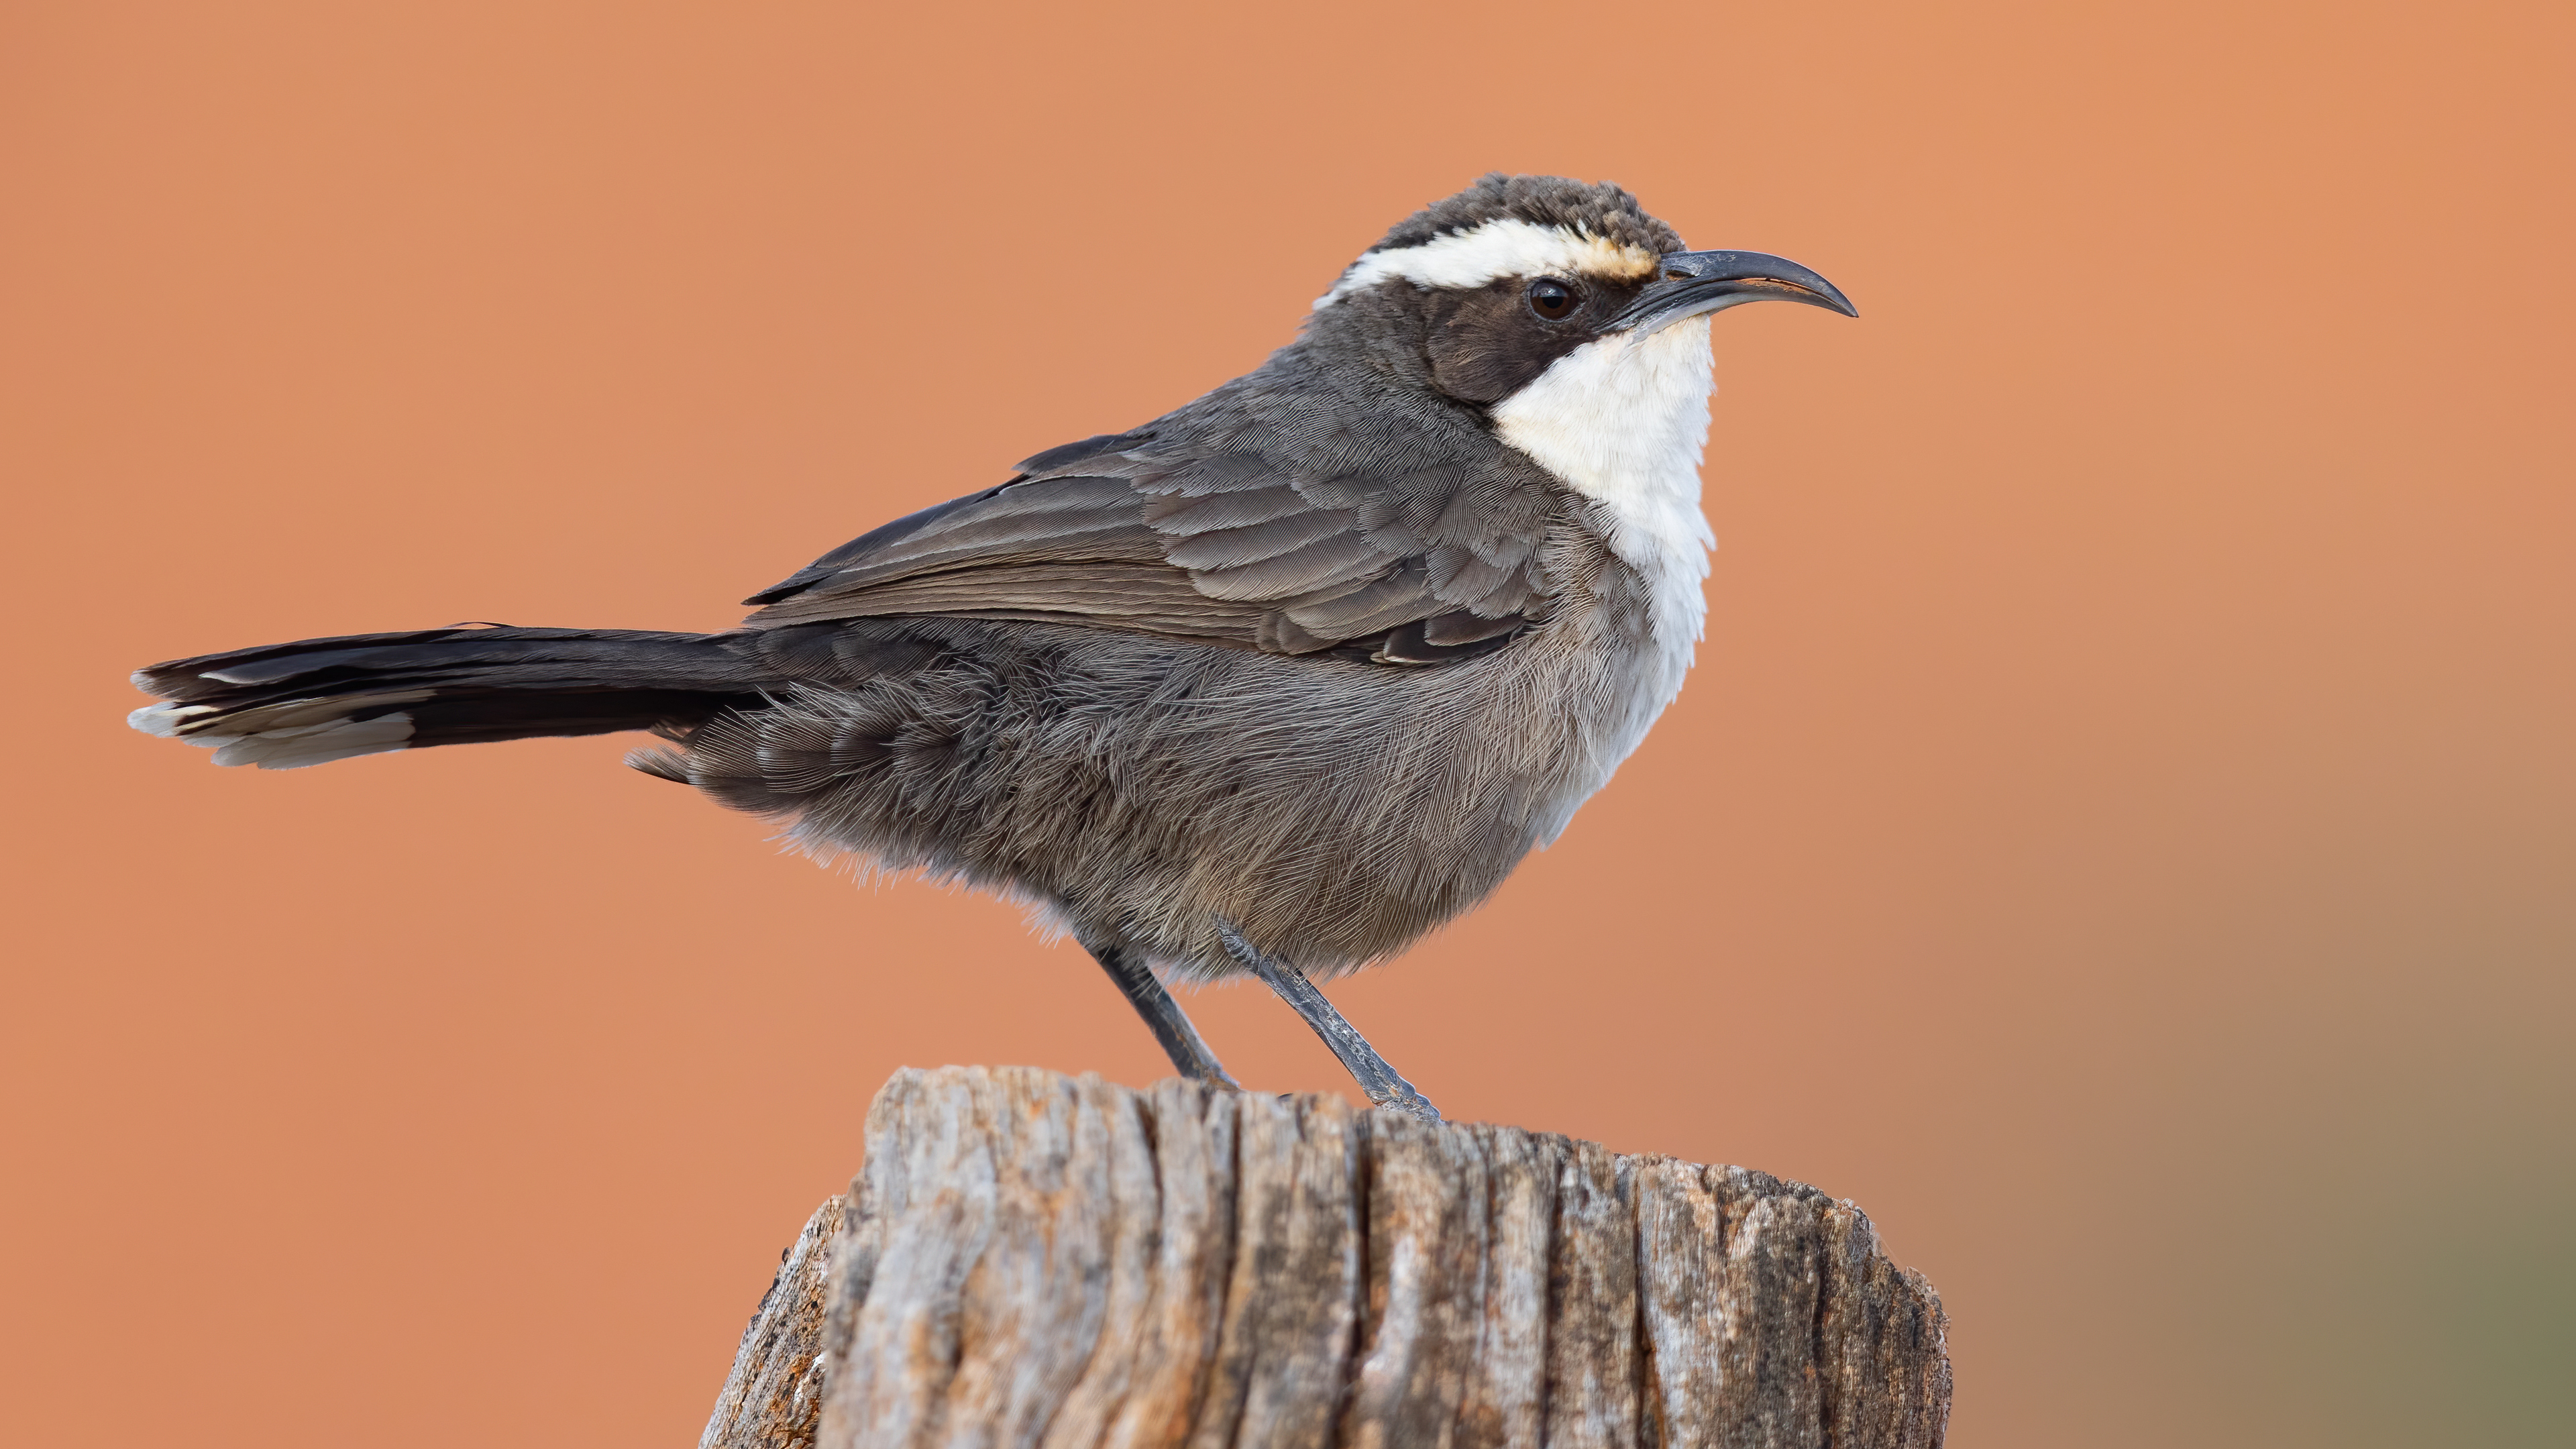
(1623, 421)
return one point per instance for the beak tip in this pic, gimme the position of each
(1830, 297)
(1707, 281)
(1827, 296)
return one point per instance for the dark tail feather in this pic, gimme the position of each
(289, 705)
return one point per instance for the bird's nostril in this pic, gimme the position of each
(1677, 276)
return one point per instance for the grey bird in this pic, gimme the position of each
(1275, 683)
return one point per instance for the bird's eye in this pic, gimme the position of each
(1553, 300)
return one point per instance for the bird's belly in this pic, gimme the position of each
(1421, 806)
(1143, 789)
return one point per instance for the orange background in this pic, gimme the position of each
(2121, 830)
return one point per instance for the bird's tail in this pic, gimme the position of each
(317, 700)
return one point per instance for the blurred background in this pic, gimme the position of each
(2121, 829)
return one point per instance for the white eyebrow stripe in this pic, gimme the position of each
(1504, 247)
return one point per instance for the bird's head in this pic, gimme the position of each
(1483, 293)
(1575, 323)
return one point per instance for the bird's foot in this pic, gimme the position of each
(1379, 1081)
(1401, 1097)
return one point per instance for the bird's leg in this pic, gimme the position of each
(1163, 1016)
(1370, 1070)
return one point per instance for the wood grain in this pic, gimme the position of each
(773, 1399)
(1032, 1261)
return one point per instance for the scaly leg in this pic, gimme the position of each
(1370, 1070)
(1163, 1016)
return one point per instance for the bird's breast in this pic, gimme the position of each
(1623, 422)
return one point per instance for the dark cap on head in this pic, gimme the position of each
(1604, 210)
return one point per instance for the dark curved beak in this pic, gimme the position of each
(1690, 283)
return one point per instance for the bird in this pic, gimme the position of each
(1271, 685)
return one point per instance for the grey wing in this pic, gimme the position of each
(1418, 568)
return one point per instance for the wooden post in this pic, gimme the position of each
(1035, 1260)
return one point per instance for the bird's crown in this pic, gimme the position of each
(1604, 210)
(1515, 226)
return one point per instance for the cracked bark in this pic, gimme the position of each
(1034, 1260)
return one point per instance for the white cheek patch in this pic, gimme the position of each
(1508, 247)
(1623, 420)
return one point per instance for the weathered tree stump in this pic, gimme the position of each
(1035, 1260)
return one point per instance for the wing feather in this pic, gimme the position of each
(1217, 550)
(1372, 609)
(1331, 559)
(1181, 517)
(1217, 542)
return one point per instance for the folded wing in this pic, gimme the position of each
(1417, 567)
